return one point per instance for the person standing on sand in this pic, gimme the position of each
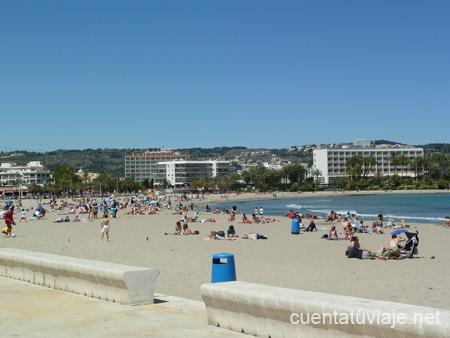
(9, 221)
(94, 210)
(105, 227)
(23, 216)
(380, 215)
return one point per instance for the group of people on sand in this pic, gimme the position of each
(231, 235)
(392, 251)
(183, 229)
(332, 216)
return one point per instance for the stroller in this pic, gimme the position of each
(410, 246)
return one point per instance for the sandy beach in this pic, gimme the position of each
(302, 261)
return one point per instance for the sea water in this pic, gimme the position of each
(413, 208)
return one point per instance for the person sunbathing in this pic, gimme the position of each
(196, 216)
(232, 217)
(245, 219)
(393, 251)
(377, 226)
(333, 234)
(356, 251)
(390, 224)
(231, 233)
(349, 231)
(186, 230)
(363, 227)
(211, 220)
(216, 235)
(178, 228)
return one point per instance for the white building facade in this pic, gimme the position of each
(332, 161)
(144, 166)
(33, 173)
(181, 174)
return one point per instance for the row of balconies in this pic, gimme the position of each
(371, 172)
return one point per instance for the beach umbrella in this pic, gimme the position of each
(397, 232)
(9, 203)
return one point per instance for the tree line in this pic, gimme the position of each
(431, 171)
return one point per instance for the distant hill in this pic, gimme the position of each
(113, 160)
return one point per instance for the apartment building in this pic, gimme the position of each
(144, 166)
(33, 173)
(180, 174)
(332, 161)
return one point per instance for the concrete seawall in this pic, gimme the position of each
(124, 284)
(267, 311)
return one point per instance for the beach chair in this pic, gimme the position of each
(194, 219)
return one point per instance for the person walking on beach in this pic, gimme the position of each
(105, 227)
(9, 221)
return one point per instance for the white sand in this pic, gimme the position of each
(303, 261)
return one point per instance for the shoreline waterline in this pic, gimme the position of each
(412, 207)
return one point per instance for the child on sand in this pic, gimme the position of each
(333, 234)
(23, 216)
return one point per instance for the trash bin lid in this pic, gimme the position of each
(223, 255)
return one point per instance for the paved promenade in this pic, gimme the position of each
(28, 310)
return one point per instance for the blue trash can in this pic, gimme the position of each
(295, 230)
(223, 271)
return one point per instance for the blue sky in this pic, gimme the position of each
(181, 74)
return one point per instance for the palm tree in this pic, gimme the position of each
(65, 181)
(367, 164)
(394, 160)
(316, 173)
(103, 179)
(165, 183)
(403, 161)
(414, 166)
(379, 176)
(85, 179)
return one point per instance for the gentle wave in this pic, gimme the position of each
(344, 212)
(326, 211)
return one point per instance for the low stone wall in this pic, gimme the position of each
(124, 284)
(267, 311)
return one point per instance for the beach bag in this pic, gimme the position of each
(221, 233)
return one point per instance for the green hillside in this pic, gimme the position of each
(112, 160)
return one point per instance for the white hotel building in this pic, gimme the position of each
(144, 166)
(180, 174)
(332, 161)
(32, 173)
